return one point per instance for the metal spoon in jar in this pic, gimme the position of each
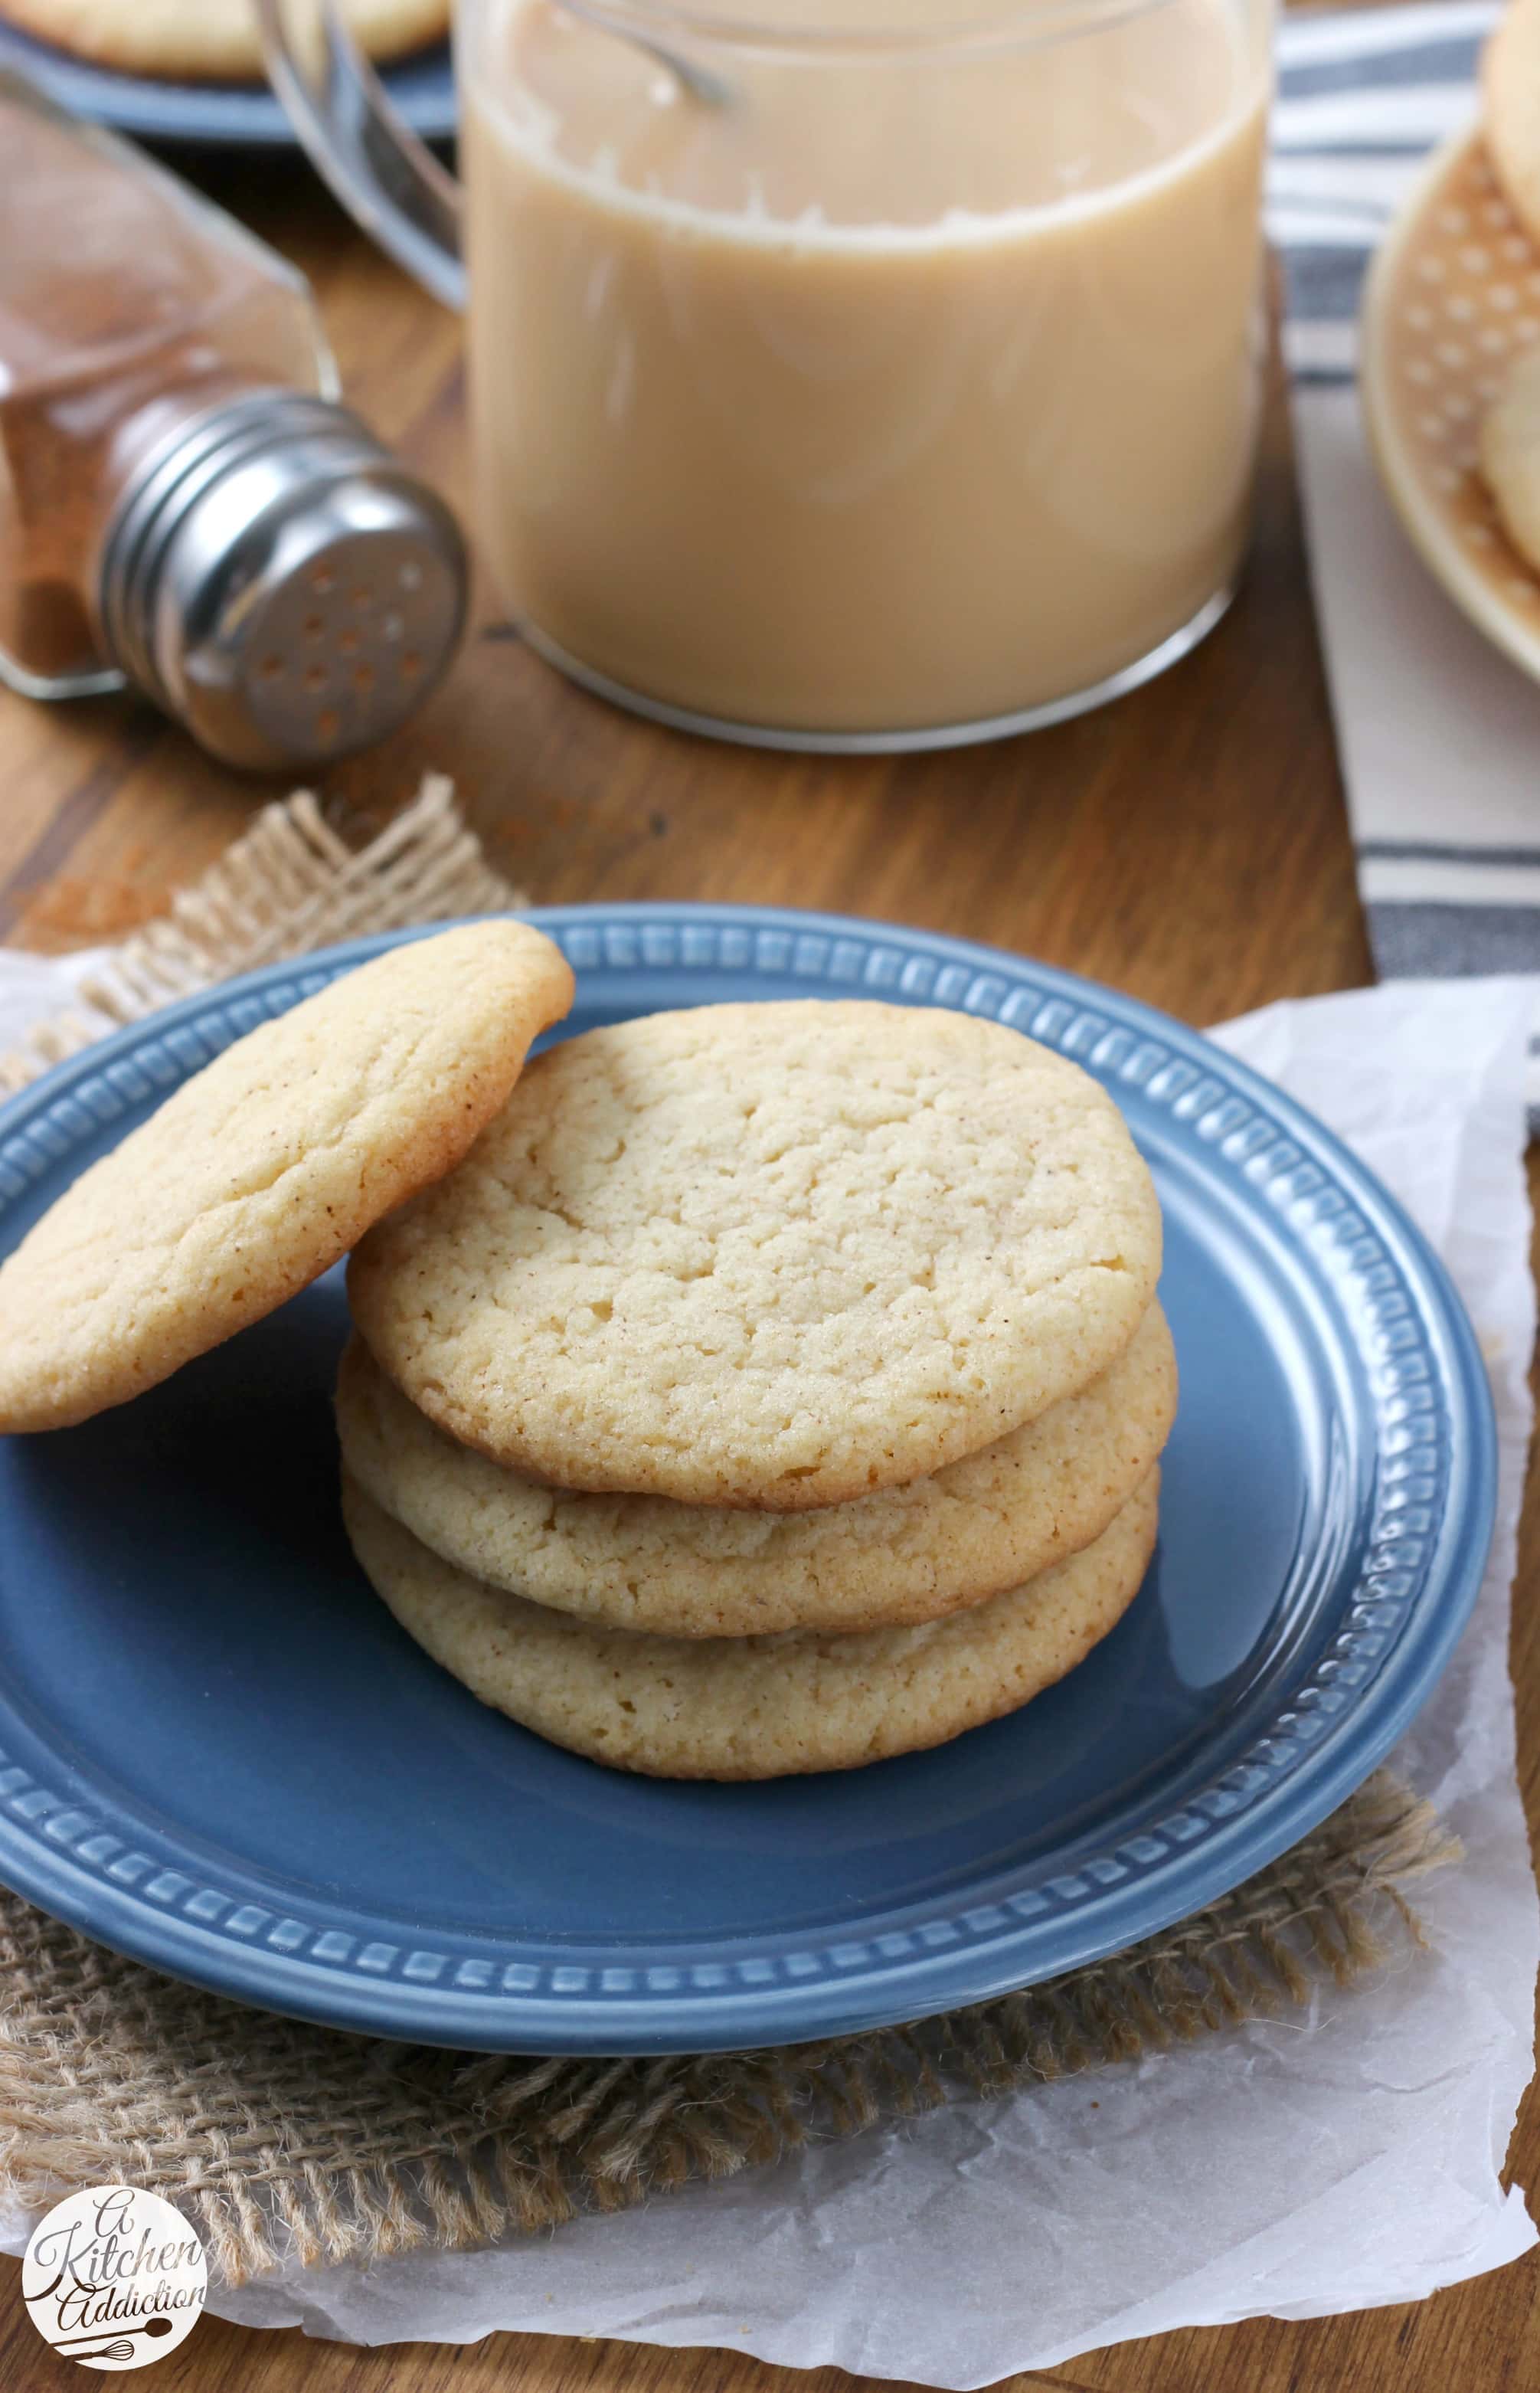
(713, 90)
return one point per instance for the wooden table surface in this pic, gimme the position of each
(1188, 844)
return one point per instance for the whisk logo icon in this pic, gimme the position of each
(114, 2278)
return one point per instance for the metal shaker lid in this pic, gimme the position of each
(278, 580)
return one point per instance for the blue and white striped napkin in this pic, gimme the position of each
(1439, 735)
(1361, 98)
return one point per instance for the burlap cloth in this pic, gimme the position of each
(279, 2139)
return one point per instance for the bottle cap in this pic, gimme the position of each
(275, 578)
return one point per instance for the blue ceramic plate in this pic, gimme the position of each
(219, 1753)
(239, 116)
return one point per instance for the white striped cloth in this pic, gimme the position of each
(1361, 98)
(1439, 735)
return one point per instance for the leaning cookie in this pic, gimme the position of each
(899, 1555)
(1510, 92)
(761, 1706)
(263, 1169)
(214, 41)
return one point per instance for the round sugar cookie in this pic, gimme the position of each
(216, 41)
(1511, 94)
(259, 1173)
(754, 1706)
(771, 1255)
(898, 1555)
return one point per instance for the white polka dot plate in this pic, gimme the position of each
(1451, 300)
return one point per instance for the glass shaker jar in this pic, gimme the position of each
(883, 374)
(183, 504)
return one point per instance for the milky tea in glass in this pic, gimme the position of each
(910, 385)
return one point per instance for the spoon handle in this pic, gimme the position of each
(712, 90)
(156, 2325)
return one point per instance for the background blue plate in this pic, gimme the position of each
(219, 1753)
(241, 116)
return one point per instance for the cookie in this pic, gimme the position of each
(771, 1255)
(214, 41)
(261, 1171)
(1510, 450)
(753, 1706)
(1510, 94)
(901, 1554)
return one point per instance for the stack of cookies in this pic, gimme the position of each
(769, 1389)
(748, 1390)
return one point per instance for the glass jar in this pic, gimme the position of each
(879, 376)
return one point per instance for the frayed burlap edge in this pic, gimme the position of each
(280, 2139)
(287, 886)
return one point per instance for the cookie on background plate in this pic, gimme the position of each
(759, 1706)
(259, 1173)
(774, 1255)
(899, 1555)
(1511, 94)
(214, 41)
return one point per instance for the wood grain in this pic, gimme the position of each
(1188, 844)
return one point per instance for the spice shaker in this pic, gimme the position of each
(184, 505)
